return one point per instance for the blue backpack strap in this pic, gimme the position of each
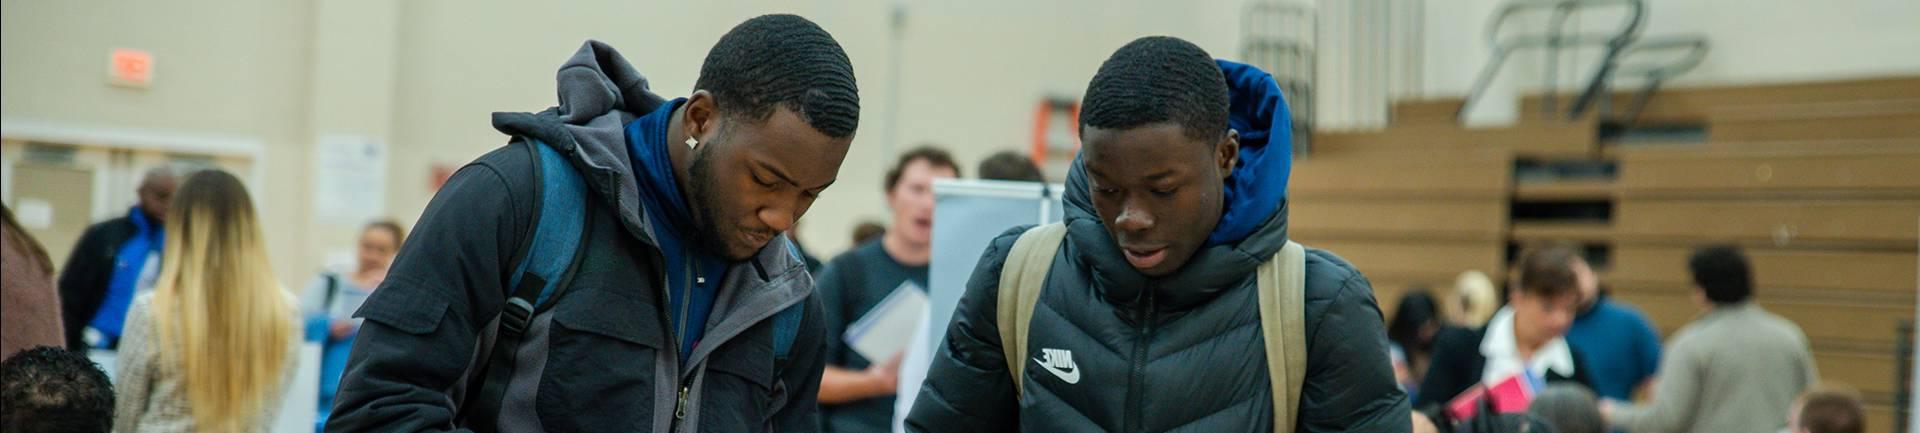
(558, 230)
(786, 327)
(786, 323)
(547, 263)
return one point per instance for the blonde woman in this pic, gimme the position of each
(213, 347)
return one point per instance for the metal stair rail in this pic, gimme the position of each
(1554, 40)
(1694, 49)
(1279, 38)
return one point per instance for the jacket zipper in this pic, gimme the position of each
(686, 304)
(679, 335)
(1135, 400)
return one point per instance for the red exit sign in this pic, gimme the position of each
(130, 68)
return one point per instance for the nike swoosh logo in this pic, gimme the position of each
(1060, 363)
(1070, 376)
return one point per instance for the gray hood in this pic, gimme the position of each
(599, 93)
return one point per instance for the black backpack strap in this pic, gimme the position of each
(333, 288)
(549, 259)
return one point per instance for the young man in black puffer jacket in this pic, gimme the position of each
(1148, 321)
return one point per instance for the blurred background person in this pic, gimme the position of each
(50, 389)
(213, 348)
(1410, 335)
(867, 231)
(27, 297)
(1735, 369)
(1828, 409)
(333, 297)
(856, 393)
(1619, 347)
(1523, 338)
(1569, 409)
(114, 261)
(1010, 165)
(1474, 300)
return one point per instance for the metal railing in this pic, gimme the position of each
(1903, 355)
(1279, 37)
(1556, 39)
(1694, 49)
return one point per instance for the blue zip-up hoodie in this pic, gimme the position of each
(129, 262)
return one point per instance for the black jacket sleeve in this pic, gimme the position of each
(968, 388)
(1349, 384)
(447, 282)
(801, 375)
(83, 281)
(1455, 367)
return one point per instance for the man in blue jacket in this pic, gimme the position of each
(114, 261)
(1149, 320)
(668, 322)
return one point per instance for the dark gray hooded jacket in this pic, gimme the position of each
(602, 360)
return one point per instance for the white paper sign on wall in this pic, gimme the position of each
(349, 179)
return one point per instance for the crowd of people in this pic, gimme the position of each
(623, 264)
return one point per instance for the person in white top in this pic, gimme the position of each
(332, 298)
(1522, 339)
(213, 348)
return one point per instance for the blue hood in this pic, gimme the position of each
(1254, 192)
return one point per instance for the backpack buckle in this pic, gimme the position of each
(514, 318)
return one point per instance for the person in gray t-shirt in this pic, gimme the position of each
(856, 393)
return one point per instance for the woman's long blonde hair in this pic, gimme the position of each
(217, 303)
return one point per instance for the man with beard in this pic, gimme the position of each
(671, 317)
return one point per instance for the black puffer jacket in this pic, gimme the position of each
(1179, 353)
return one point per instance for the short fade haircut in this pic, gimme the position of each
(1722, 272)
(867, 231)
(1158, 79)
(1569, 408)
(1010, 165)
(1829, 409)
(933, 155)
(54, 390)
(1547, 270)
(783, 61)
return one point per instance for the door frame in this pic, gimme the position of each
(137, 139)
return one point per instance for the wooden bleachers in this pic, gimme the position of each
(1876, 119)
(1693, 105)
(1810, 171)
(1417, 222)
(1428, 112)
(1574, 139)
(1820, 182)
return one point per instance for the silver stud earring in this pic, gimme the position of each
(691, 142)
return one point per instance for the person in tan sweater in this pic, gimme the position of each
(1735, 369)
(27, 296)
(214, 347)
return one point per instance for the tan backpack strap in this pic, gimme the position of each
(1282, 288)
(1021, 278)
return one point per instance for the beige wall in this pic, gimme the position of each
(972, 73)
(228, 69)
(1752, 42)
(424, 75)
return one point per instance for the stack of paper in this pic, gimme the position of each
(890, 325)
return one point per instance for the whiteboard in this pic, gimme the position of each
(967, 215)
